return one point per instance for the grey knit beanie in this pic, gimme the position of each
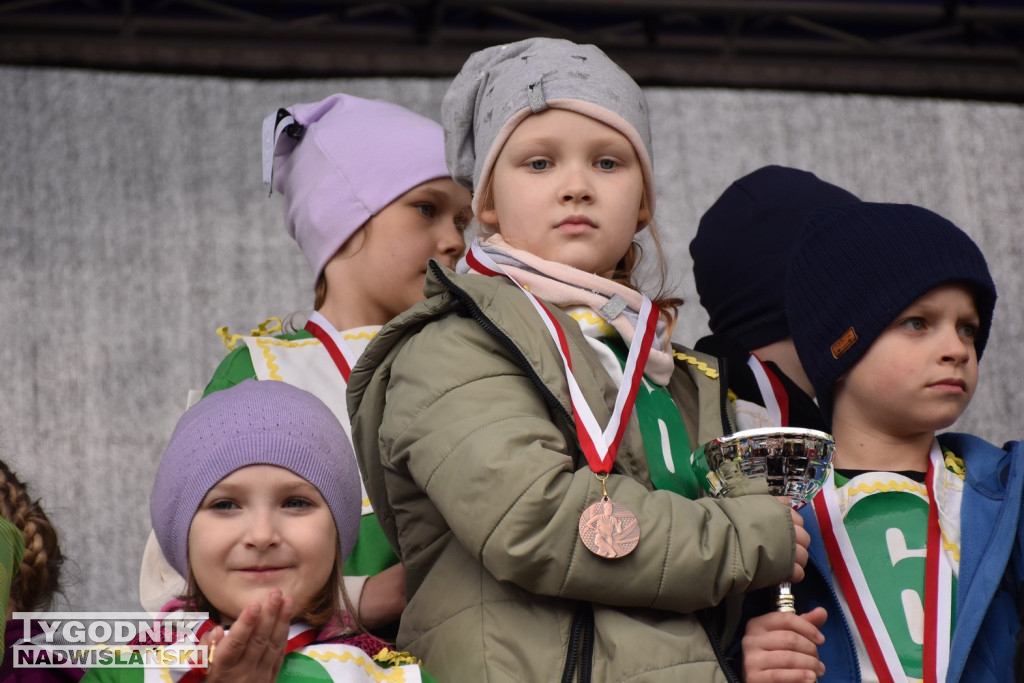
(500, 86)
(253, 423)
(854, 268)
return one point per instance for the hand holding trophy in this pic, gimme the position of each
(792, 461)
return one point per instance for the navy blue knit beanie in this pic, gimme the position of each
(855, 268)
(742, 247)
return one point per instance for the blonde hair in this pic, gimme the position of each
(37, 581)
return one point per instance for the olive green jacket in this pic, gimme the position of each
(464, 432)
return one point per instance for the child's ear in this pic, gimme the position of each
(488, 216)
(643, 219)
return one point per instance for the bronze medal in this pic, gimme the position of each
(609, 529)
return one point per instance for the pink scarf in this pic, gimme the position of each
(566, 286)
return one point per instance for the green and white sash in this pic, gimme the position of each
(893, 546)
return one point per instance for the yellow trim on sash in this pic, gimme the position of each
(266, 328)
(887, 487)
(395, 657)
(588, 317)
(392, 675)
(954, 463)
(360, 335)
(699, 364)
(265, 345)
(846, 492)
(949, 546)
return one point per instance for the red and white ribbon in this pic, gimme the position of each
(776, 401)
(341, 353)
(867, 619)
(599, 446)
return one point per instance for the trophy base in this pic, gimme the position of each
(784, 601)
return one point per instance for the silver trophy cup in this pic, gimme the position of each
(790, 462)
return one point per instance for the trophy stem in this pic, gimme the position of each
(784, 601)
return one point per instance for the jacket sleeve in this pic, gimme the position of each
(466, 426)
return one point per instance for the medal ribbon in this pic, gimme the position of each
(937, 585)
(301, 639)
(341, 353)
(599, 446)
(776, 400)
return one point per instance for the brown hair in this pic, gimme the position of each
(37, 582)
(329, 601)
(320, 287)
(319, 292)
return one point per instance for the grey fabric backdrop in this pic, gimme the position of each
(133, 222)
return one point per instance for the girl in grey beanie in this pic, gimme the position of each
(525, 432)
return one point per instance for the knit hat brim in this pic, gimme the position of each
(856, 267)
(500, 86)
(253, 423)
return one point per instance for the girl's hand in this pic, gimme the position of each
(253, 650)
(383, 597)
(803, 542)
(780, 647)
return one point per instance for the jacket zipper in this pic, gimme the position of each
(581, 646)
(709, 629)
(838, 609)
(723, 390)
(712, 633)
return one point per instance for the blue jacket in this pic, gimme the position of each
(989, 583)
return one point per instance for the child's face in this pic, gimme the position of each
(920, 373)
(569, 189)
(380, 270)
(261, 527)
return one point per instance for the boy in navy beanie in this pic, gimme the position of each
(916, 545)
(739, 255)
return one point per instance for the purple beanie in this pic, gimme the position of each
(253, 423)
(338, 162)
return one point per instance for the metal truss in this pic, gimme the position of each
(944, 48)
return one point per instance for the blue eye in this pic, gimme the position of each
(916, 324)
(969, 330)
(539, 164)
(223, 505)
(607, 164)
(297, 503)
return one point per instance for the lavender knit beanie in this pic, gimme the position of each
(500, 86)
(854, 268)
(339, 161)
(253, 423)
